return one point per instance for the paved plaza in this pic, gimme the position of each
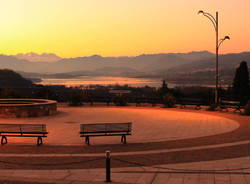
(167, 146)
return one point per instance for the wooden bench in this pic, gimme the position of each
(226, 104)
(190, 101)
(23, 130)
(105, 129)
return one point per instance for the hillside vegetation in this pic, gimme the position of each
(11, 79)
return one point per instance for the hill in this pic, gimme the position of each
(142, 63)
(177, 67)
(11, 79)
(204, 70)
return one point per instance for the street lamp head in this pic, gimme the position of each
(201, 12)
(226, 38)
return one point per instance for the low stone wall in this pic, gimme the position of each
(18, 108)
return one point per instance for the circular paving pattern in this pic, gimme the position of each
(160, 136)
(149, 125)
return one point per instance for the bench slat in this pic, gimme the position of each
(96, 135)
(105, 127)
(225, 104)
(5, 132)
(104, 132)
(24, 128)
(23, 135)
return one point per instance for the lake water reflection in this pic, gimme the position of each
(135, 82)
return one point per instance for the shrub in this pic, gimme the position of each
(212, 107)
(169, 100)
(247, 109)
(76, 99)
(120, 100)
(10, 93)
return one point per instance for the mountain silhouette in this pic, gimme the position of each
(190, 65)
(11, 79)
(45, 57)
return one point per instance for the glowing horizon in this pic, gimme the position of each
(120, 28)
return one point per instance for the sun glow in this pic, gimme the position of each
(116, 27)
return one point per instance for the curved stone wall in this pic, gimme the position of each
(17, 108)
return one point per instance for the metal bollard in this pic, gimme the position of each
(108, 158)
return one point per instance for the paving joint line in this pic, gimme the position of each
(124, 153)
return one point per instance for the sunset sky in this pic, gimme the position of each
(72, 28)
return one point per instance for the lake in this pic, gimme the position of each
(86, 80)
(105, 81)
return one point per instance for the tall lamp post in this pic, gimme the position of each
(215, 21)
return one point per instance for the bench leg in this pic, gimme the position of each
(39, 141)
(87, 140)
(182, 106)
(4, 140)
(237, 109)
(198, 107)
(123, 139)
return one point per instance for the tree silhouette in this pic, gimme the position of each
(241, 86)
(164, 87)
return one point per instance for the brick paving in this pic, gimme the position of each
(225, 150)
(149, 125)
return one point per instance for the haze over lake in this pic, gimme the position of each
(105, 81)
(87, 80)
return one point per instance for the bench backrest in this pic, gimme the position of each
(23, 128)
(199, 100)
(106, 127)
(227, 102)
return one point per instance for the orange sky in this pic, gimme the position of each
(72, 28)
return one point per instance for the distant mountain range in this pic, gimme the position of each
(193, 66)
(142, 63)
(33, 57)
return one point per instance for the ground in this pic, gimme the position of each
(166, 146)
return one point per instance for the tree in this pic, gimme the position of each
(241, 86)
(164, 88)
